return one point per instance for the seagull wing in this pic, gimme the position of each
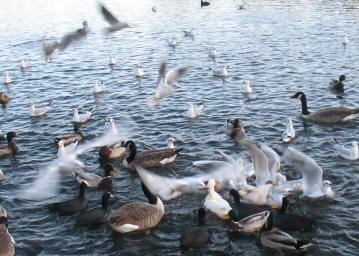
(174, 75)
(273, 159)
(71, 38)
(108, 16)
(347, 153)
(311, 171)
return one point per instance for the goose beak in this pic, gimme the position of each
(292, 97)
(115, 170)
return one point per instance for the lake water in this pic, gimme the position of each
(280, 46)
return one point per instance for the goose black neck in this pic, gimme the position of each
(108, 169)
(82, 190)
(201, 217)
(151, 197)
(133, 151)
(104, 201)
(303, 99)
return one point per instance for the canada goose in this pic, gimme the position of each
(39, 111)
(149, 158)
(116, 24)
(11, 146)
(235, 130)
(94, 180)
(137, 215)
(197, 236)
(7, 78)
(7, 247)
(244, 209)
(215, 203)
(113, 151)
(327, 115)
(95, 216)
(70, 137)
(71, 206)
(204, 3)
(338, 85)
(273, 238)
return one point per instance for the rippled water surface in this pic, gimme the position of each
(280, 46)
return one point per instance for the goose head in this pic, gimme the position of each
(298, 95)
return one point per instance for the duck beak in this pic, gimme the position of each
(16, 135)
(115, 170)
(216, 186)
(275, 207)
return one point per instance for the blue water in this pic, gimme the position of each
(280, 46)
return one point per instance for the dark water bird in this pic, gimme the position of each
(242, 210)
(197, 236)
(235, 130)
(137, 215)
(11, 146)
(3, 98)
(72, 206)
(149, 158)
(204, 3)
(338, 85)
(95, 216)
(7, 243)
(116, 25)
(71, 137)
(273, 238)
(96, 181)
(65, 42)
(112, 151)
(327, 115)
(287, 221)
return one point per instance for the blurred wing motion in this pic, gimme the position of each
(112, 20)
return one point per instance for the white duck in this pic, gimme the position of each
(194, 112)
(246, 88)
(62, 150)
(38, 112)
(313, 185)
(166, 83)
(81, 118)
(222, 73)
(25, 64)
(112, 60)
(215, 203)
(289, 133)
(350, 153)
(139, 71)
(7, 78)
(97, 88)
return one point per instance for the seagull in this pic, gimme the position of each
(112, 60)
(246, 88)
(48, 49)
(213, 53)
(116, 25)
(25, 64)
(62, 150)
(98, 88)
(345, 40)
(189, 33)
(154, 9)
(195, 112)
(173, 42)
(350, 153)
(38, 112)
(7, 78)
(139, 71)
(82, 118)
(222, 73)
(166, 83)
(263, 195)
(312, 174)
(112, 127)
(289, 133)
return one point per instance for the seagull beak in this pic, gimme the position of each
(115, 170)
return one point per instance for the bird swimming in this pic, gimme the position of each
(7, 247)
(195, 112)
(337, 85)
(11, 146)
(289, 133)
(97, 88)
(7, 78)
(38, 111)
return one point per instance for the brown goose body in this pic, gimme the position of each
(7, 243)
(149, 158)
(327, 115)
(137, 215)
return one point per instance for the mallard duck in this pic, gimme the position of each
(113, 151)
(273, 238)
(137, 215)
(215, 203)
(196, 236)
(7, 247)
(71, 137)
(235, 130)
(11, 146)
(251, 223)
(3, 98)
(71, 206)
(327, 115)
(338, 85)
(95, 216)
(94, 180)
(149, 158)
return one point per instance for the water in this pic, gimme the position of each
(280, 47)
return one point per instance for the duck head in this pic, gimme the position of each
(11, 135)
(342, 78)
(109, 168)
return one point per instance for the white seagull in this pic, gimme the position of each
(7, 78)
(345, 40)
(97, 88)
(62, 150)
(195, 112)
(190, 33)
(350, 153)
(112, 60)
(81, 118)
(246, 88)
(312, 174)
(38, 112)
(25, 64)
(212, 53)
(289, 133)
(222, 73)
(139, 71)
